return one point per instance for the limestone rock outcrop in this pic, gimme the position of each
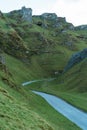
(76, 58)
(26, 13)
(82, 27)
(22, 14)
(49, 16)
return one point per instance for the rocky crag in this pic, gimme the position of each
(24, 13)
(76, 58)
(46, 37)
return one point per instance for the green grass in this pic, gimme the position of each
(48, 46)
(26, 72)
(4, 26)
(49, 52)
(71, 86)
(17, 114)
(21, 109)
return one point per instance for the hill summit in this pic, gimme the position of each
(47, 38)
(24, 13)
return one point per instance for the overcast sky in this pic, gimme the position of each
(75, 11)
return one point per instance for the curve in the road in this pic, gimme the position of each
(33, 81)
(76, 116)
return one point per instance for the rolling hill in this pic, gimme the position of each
(37, 47)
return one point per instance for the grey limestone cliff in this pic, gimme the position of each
(76, 58)
(26, 14)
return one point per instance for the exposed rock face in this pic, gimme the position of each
(26, 14)
(52, 20)
(49, 16)
(76, 58)
(53, 17)
(82, 27)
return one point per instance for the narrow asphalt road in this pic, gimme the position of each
(33, 81)
(73, 114)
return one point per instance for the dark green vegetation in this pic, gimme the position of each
(36, 50)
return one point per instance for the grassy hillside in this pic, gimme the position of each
(37, 50)
(21, 109)
(71, 86)
(48, 42)
(51, 47)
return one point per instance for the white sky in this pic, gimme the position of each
(75, 11)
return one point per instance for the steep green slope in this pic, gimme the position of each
(11, 42)
(36, 50)
(71, 85)
(50, 40)
(21, 109)
(16, 113)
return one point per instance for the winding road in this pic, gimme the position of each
(73, 114)
(33, 81)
